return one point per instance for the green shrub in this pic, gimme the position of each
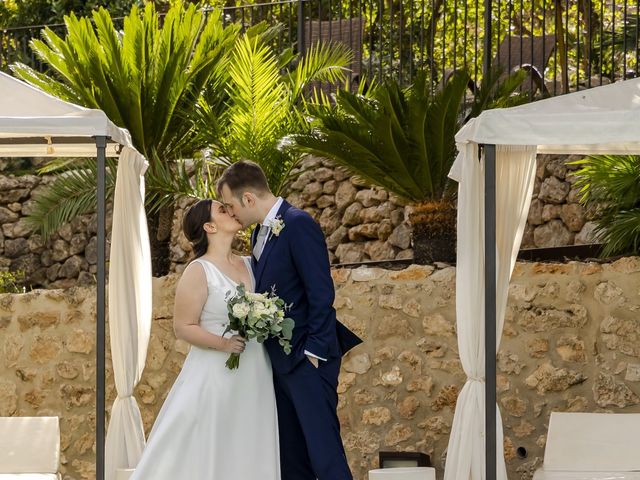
(12, 282)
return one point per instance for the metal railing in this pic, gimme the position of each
(566, 44)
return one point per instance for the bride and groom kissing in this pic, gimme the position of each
(274, 418)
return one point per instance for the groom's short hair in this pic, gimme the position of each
(243, 176)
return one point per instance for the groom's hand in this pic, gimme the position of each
(313, 360)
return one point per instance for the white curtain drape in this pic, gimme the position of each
(515, 175)
(130, 306)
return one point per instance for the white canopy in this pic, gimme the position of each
(601, 120)
(36, 124)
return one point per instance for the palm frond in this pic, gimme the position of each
(498, 90)
(340, 147)
(402, 140)
(612, 183)
(620, 232)
(258, 112)
(257, 96)
(609, 178)
(262, 102)
(148, 79)
(44, 82)
(73, 193)
(60, 165)
(323, 62)
(443, 121)
(194, 178)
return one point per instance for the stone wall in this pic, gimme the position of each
(571, 343)
(363, 223)
(47, 367)
(66, 259)
(556, 217)
(360, 223)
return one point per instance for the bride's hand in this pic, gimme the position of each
(234, 344)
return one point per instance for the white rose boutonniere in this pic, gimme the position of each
(277, 225)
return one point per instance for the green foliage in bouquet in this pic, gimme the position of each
(260, 316)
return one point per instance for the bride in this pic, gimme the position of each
(216, 424)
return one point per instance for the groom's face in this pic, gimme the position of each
(237, 208)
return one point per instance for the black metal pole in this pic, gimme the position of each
(301, 42)
(490, 308)
(486, 61)
(101, 144)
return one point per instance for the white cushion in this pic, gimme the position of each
(558, 475)
(403, 473)
(593, 442)
(29, 445)
(29, 476)
(123, 473)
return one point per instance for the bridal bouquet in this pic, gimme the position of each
(259, 316)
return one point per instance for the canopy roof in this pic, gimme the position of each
(36, 124)
(598, 120)
(494, 196)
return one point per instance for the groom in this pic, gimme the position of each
(290, 254)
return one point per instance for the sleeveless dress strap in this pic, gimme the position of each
(247, 263)
(207, 269)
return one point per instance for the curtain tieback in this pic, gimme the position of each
(475, 379)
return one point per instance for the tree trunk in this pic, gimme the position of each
(159, 224)
(434, 232)
(591, 22)
(562, 48)
(430, 32)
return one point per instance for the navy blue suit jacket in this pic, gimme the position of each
(296, 264)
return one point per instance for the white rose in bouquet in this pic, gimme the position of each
(260, 316)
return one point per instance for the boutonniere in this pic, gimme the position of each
(277, 224)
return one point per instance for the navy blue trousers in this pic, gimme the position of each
(310, 443)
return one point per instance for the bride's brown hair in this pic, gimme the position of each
(193, 223)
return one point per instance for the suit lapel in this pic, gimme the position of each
(271, 240)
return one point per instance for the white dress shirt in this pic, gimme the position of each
(271, 216)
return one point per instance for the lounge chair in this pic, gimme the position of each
(347, 31)
(529, 53)
(592, 446)
(29, 448)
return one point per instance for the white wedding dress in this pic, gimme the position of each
(216, 423)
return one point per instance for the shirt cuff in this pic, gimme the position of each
(307, 352)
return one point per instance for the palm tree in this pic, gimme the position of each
(404, 141)
(611, 183)
(265, 102)
(147, 79)
(188, 85)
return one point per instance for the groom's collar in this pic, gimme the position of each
(259, 266)
(273, 213)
